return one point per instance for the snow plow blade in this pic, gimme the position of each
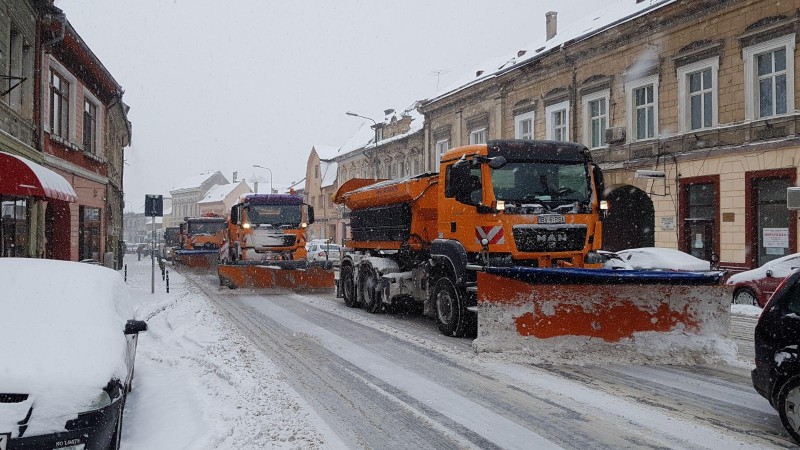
(197, 259)
(609, 316)
(289, 275)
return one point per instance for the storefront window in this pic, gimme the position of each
(89, 233)
(772, 218)
(13, 227)
(699, 221)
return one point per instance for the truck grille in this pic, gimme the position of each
(549, 238)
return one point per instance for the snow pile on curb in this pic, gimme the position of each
(209, 385)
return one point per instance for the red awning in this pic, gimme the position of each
(19, 176)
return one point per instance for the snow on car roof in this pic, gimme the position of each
(662, 258)
(62, 335)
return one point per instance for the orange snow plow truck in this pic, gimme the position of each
(504, 241)
(265, 246)
(200, 241)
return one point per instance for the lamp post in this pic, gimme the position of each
(270, 176)
(375, 168)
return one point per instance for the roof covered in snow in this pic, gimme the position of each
(194, 181)
(592, 24)
(219, 192)
(326, 152)
(329, 171)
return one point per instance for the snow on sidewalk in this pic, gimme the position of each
(199, 383)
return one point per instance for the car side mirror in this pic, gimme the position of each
(135, 326)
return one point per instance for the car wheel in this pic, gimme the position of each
(116, 438)
(348, 286)
(789, 407)
(451, 312)
(745, 296)
(368, 288)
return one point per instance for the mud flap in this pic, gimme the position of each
(312, 278)
(596, 315)
(197, 259)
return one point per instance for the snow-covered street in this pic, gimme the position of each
(224, 368)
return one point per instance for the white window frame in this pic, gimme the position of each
(751, 91)
(631, 114)
(100, 125)
(587, 119)
(549, 111)
(477, 136)
(519, 119)
(684, 104)
(54, 65)
(441, 147)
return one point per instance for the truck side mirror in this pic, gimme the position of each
(599, 184)
(310, 214)
(235, 215)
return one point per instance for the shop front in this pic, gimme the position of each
(30, 196)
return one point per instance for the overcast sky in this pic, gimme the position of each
(224, 85)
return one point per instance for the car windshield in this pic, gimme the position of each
(530, 182)
(276, 215)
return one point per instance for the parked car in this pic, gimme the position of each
(656, 258)
(754, 287)
(325, 252)
(317, 241)
(777, 357)
(67, 346)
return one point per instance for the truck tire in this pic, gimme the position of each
(348, 283)
(451, 310)
(368, 288)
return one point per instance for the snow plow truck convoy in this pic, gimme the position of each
(504, 240)
(265, 246)
(200, 240)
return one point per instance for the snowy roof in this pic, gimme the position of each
(590, 25)
(326, 152)
(194, 181)
(329, 171)
(219, 191)
(363, 136)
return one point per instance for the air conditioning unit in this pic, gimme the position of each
(793, 198)
(615, 135)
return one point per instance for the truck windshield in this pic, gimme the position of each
(206, 227)
(535, 182)
(275, 215)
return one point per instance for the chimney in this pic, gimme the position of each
(551, 24)
(235, 176)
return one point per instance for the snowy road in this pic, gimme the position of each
(388, 381)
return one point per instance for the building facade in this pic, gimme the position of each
(701, 93)
(187, 194)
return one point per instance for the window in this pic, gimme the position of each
(364, 168)
(697, 95)
(59, 105)
(642, 98)
(477, 136)
(769, 78)
(13, 226)
(89, 233)
(18, 54)
(316, 172)
(595, 122)
(89, 127)
(523, 125)
(416, 165)
(441, 147)
(558, 121)
(699, 211)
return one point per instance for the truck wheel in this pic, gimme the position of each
(368, 287)
(451, 312)
(348, 284)
(789, 407)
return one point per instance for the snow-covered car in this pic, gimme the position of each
(613, 261)
(316, 242)
(656, 258)
(754, 287)
(325, 252)
(67, 346)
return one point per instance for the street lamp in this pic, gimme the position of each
(270, 176)
(375, 169)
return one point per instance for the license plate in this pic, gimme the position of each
(553, 218)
